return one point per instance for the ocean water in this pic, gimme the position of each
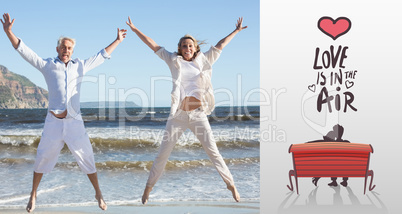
(125, 143)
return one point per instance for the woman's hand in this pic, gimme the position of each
(223, 42)
(239, 24)
(147, 40)
(129, 23)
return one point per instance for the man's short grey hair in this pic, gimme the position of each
(62, 38)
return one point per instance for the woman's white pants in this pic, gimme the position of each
(198, 123)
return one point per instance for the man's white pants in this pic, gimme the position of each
(198, 123)
(55, 133)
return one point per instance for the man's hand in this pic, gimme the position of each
(7, 24)
(121, 34)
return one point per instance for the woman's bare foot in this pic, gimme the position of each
(145, 196)
(101, 202)
(31, 203)
(235, 194)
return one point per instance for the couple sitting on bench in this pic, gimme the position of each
(336, 136)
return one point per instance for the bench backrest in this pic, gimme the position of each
(331, 159)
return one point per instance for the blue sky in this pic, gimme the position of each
(134, 72)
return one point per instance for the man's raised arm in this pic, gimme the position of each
(121, 34)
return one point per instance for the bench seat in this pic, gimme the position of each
(331, 159)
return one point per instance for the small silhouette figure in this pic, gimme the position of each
(336, 136)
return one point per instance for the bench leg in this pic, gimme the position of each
(292, 173)
(371, 187)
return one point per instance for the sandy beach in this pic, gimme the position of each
(248, 207)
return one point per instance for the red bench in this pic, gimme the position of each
(331, 159)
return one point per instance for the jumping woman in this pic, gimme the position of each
(192, 100)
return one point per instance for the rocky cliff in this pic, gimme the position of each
(17, 91)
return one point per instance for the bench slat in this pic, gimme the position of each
(330, 163)
(330, 167)
(330, 158)
(323, 155)
(331, 174)
(320, 146)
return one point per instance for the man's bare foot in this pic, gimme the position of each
(101, 202)
(31, 203)
(235, 194)
(145, 196)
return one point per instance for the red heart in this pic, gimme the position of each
(334, 29)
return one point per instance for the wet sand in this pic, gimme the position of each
(250, 207)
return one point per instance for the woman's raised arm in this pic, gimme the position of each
(223, 42)
(147, 40)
